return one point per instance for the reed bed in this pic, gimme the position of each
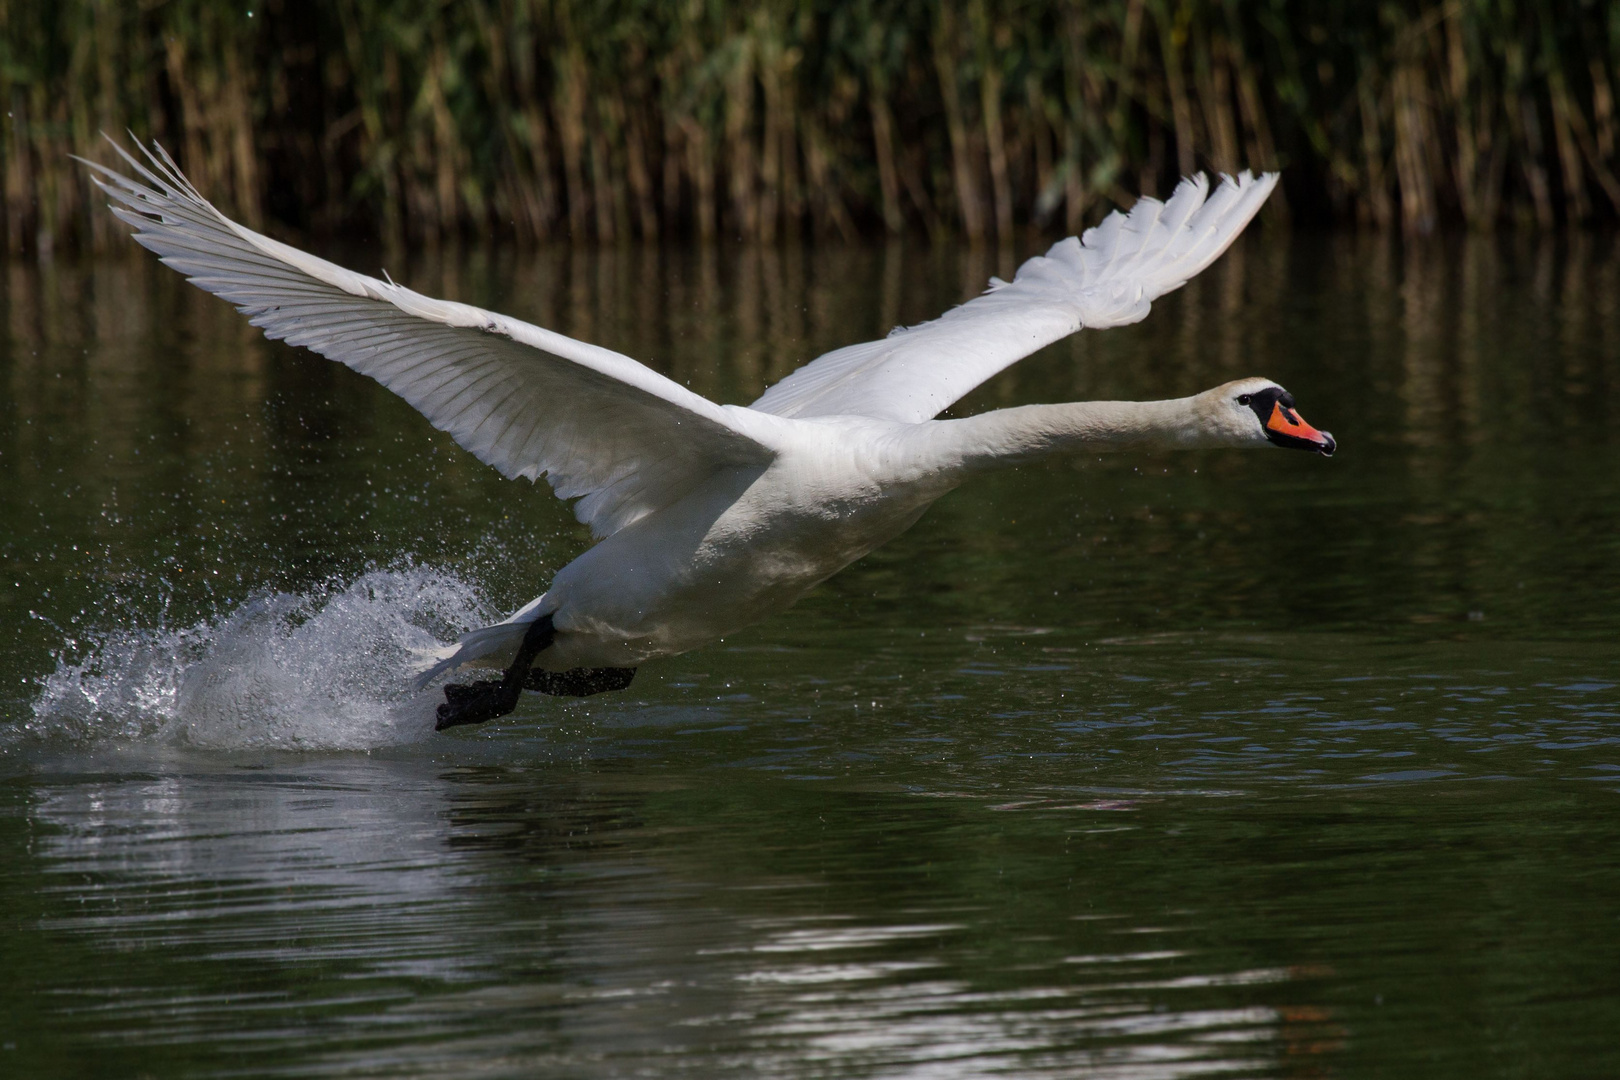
(420, 121)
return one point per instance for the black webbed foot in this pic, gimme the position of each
(460, 694)
(476, 702)
(579, 682)
(473, 703)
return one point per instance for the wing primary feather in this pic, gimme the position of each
(1109, 276)
(526, 400)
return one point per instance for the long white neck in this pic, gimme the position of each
(1009, 436)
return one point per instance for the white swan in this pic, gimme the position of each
(712, 517)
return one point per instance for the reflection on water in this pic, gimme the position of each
(558, 935)
(1152, 766)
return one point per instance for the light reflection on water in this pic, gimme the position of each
(1141, 767)
(597, 956)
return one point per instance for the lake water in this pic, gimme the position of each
(1242, 763)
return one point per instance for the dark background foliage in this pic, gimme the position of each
(415, 120)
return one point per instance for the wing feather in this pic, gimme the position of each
(1108, 277)
(523, 399)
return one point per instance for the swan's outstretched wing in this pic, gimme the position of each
(525, 400)
(1106, 278)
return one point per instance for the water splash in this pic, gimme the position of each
(327, 669)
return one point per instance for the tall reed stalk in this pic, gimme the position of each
(420, 121)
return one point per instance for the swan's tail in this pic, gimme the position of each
(502, 638)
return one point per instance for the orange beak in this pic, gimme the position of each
(1291, 426)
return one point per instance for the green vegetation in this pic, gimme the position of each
(420, 119)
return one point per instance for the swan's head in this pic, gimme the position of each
(1258, 411)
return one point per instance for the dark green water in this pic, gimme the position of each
(1240, 764)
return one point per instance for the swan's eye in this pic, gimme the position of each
(1244, 399)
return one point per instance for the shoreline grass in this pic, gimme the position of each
(541, 120)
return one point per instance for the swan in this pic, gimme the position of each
(711, 517)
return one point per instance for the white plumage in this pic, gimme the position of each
(714, 516)
(1107, 278)
(527, 401)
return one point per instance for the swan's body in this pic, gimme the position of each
(747, 543)
(711, 517)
